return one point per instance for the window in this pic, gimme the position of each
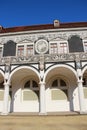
(27, 84)
(85, 46)
(20, 51)
(35, 85)
(31, 84)
(53, 48)
(58, 48)
(55, 83)
(25, 50)
(63, 48)
(60, 84)
(31, 90)
(29, 50)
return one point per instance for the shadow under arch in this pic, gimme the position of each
(59, 66)
(84, 69)
(2, 73)
(24, 67)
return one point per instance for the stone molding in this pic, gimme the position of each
(50, 36)
(47, 58)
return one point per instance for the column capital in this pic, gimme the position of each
(6, 84)
(41, 82)
(80, 80)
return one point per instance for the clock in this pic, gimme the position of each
(41, 46)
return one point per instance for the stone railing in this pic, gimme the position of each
(45, 57)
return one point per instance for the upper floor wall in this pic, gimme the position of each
(43, 46)
(46, 41)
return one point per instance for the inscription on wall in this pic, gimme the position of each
(75, 44)
(9, 49)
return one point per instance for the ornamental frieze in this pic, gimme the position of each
(46, 35)
(47, 58)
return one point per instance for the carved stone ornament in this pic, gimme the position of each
(41, 46)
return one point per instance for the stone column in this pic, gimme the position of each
(42, 99)
(6, 88)
(42, 87)
(6, 99)
(80, 91)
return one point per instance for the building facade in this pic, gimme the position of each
(43, 68)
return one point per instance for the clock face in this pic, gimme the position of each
(41, 46)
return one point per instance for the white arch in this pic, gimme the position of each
(24, 67)
(57, 66)
(1, 72)
(84, 69)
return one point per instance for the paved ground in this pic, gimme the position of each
(59, 122)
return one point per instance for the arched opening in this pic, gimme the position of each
(1, 90)
(61, 89)
(25, 90)
(31, 90)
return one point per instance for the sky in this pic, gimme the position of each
(15, 13)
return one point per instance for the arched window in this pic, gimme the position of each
(59, 83)
(31, 90)
(32, 84)
(27, 84)
(59, 89)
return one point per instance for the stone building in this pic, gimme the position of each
(43, 68)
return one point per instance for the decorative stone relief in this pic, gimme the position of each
(41, 46)
(44, 58)
(50, 35)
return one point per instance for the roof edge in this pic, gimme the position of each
(43, 27)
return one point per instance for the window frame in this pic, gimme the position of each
(58, 46)
(31, 85)
(25, 48)
(30, 50)
(62, 88)
(17, 50)
(59, 84)
(63, 48)
(34, 89)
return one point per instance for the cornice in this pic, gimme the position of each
(50, 35)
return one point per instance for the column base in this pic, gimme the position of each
(42, 114)
(4, 114)
(83, 112)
